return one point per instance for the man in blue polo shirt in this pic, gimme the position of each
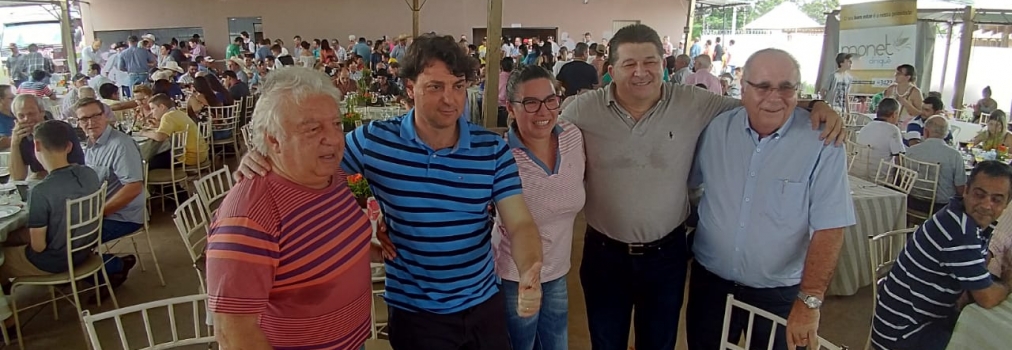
(434, 175)
(945, 261)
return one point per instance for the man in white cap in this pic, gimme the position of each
(238, 66)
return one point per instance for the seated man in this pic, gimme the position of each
(237, 88)
(944, 261)
(951, 170)
(883, 136)
(109, 94)
(42, 249)
(932, 106)
(7, 119)
(29, 113)
(38, 85)
(171, 121)
(116, 159)
(774, 249)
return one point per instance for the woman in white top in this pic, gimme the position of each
(306, 58)
(551, 162)
(909, 96)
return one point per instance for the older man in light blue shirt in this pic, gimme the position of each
(771, 218)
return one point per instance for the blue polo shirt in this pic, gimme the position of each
(6, 124)
(435, 204)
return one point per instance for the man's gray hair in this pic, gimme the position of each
(703, 62)
(683, 58)
(938, 127)
(19, 103)
(797, 66)
(281, 95)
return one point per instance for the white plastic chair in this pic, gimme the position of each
(378, 289)
(753, 312)
(145, 230)
(213, 188)
(192, 224)
(84, 215)
(925, 186)
(192, 302)
(171, 180)
(895, 176)
(883, 250)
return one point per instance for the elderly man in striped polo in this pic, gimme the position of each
(434, 175)
(944, 265)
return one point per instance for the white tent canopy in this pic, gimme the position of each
(785, 16)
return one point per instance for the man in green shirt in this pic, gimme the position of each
(234, 49)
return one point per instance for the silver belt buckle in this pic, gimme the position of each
(633, 246)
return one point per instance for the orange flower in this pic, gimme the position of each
(1002, 148)
(355, 178)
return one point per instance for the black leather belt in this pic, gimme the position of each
(596, 237)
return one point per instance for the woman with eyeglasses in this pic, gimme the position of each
(551, 161)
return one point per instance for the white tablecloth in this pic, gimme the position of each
(982, 329)
(967, 131)
(878, 210)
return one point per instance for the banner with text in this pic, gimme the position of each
(881, 36)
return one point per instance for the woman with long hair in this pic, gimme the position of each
(327, 54)
(203, 96)
(219, 90)
(996, 133)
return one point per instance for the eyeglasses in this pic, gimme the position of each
(89, 118)
(532, 105)
(784, 90)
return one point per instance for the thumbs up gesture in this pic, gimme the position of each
(529, 293)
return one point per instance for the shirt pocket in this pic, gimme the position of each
(787, 200)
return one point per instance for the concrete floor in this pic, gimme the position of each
(845, 320)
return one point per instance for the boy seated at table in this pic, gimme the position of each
(41, 249)
(172, 121)
(943, 265)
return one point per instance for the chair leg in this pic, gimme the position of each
(52, 296)
(147, 235)
(137, 253)
(112, 295)
(17, 321)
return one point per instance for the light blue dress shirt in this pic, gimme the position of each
(763, 199)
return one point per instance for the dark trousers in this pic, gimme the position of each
(481, 327)
(161, 161)
(934, 336)
(705, 314)
(616, 280)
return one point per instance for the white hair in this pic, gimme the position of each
(19, 103)
(281, 94)
(353, 38)
(938, 126)
(751, 61)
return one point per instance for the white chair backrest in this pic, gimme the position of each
(895, 176)
(859, 158)
(204, 128)
(754, 312)
(248, 103)
(188, 304)
(883, 250)
(925, 185)
(192, 224)
(84, 224)
(225, 117)
(213, 187)
(247, 132)
(858, 119)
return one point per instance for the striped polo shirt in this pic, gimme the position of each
(435, 203)
(945, 257)
(295, 256)
(554, 197)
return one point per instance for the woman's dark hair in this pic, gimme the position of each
(324, 45)
(523, 51)
(992, 168)
(174, 41)
(634, 34)
(987, 91)
(909, 71)
(523, 75)
(669, 63)
(304, 45)
(167, 47)
(226, 97)
(506, 64)
(161, 86)
(429, 48)
(203, 87)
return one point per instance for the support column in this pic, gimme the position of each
(945, 61)
(493, 54)
(67, 35)
(415, 9)
(689, 22)
(963, 60)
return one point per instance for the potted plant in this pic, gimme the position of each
(360, 188)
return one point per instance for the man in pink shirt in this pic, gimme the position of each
(703, 75)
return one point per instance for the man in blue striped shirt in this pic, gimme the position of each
(944, 264)
(434, 175)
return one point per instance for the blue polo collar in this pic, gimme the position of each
(408, 131)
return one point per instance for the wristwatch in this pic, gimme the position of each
(811, 301)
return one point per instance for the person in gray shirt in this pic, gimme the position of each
(116, 159)
(41, 250)
(951, 168)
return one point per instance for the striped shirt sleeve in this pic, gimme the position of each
(354, 145)
(507, 176)
(960, 253)
(242, 258)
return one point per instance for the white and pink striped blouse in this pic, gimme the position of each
(554, 199)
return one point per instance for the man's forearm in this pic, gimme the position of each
(123, 197)
(235, 333)
(820, 262)
(526, 247)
